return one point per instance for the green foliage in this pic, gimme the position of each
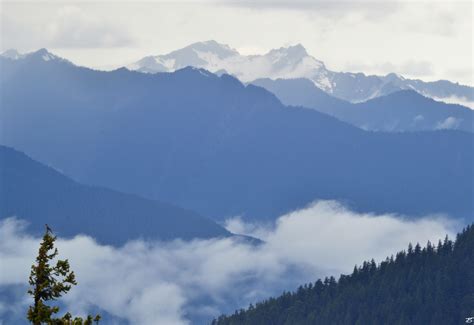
(48, 282)
(433, 285)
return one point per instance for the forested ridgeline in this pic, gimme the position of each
(431, 285)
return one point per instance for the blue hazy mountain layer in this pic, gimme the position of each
(356, 87)
(215, 146)
(399, 111)
(39, 194)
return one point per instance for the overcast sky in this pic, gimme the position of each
(428, 40)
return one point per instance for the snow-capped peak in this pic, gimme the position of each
(394, 77)
(41, 54)
(220, 50)
(44, 54)
(191, 53)
(219, 47)
(286, 62)
(207, 55)
(294, 51)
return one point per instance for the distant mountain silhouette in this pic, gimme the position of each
(401, 110)
(220, 148)
(295, 62)
(291, 62)
(39, 194)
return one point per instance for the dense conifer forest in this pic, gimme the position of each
(430, 285)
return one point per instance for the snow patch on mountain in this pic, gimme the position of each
(285, 62)
(294, 62)
(41, 54)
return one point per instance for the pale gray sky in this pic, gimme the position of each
(428, 40)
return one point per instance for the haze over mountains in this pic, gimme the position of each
(39, 194)
(184, 178)
(395, 168)
(221, 148)
(294, 62)
(400, 111)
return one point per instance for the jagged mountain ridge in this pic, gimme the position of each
(216, 146)
(295, 62)
(289, 63)
(399, 111)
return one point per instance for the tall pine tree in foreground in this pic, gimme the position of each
(431, 285)
(49, 282)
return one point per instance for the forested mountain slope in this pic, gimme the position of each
(433, 285)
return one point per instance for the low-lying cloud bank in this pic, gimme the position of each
(184, 282)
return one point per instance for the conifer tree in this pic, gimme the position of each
(48, 282)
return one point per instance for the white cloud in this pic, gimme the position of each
(68, 26)
(72, 27)
(173, 282)
(418, 118)
(449, 123)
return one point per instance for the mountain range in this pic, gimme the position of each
(222, 148)
(399, 111)
(39, 194)
(295, 62)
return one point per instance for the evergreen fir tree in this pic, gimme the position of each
(48, 282)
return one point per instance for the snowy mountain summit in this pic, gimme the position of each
(285, 62)
(295, 62)
(41, 54)
(292, 62)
